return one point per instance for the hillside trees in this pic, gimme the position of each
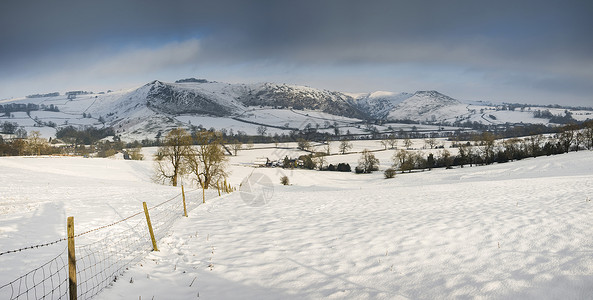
(84, 136)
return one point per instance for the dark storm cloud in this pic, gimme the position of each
(284, 28)
(522, 36)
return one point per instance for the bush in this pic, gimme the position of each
(341, 167)
(135, 153)
(344, 167)
(284, 180)
(389, 173)
(106, 153)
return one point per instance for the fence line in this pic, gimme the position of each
(49, 281)
(100, 262)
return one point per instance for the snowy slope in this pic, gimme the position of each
(428, 106)
(518, 230)
(420, 236)
(379, 104)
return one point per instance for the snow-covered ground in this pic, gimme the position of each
(518, 230)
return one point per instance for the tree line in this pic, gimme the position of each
(488, 148)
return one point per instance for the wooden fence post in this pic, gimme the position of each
(184, 207)
(154, 247)
(218, 188)
(71, 259)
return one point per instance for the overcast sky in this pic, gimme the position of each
(514, 51)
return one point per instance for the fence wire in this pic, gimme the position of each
(49, 281)
(99, 263)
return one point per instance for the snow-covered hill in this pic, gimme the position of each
(430, 106)
(378, 105)
(157, 106)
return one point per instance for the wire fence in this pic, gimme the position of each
(100, 262)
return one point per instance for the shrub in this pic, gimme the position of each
(106, 153)
(344, 167)
(284, 180)
(389, 173)
(136, 154)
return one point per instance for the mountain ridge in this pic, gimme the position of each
(158, 106)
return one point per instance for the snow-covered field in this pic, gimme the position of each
(519, 230)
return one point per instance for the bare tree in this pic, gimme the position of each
(367, 162)
(261, 130)
(236, 146)
(407, 142)
(249, 144)
(487, 140)
(171, 158)
(303, 144)
(345, 145)
(207, 161)
(35, 142)
(403, 160)
(392, 141)
(136, 153)
(21, 133)
(432, 142)
(320, 160)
